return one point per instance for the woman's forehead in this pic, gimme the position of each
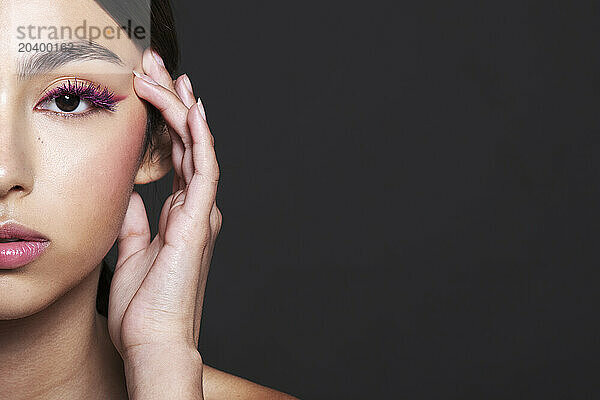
(59, 29)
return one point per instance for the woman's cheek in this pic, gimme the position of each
(83, 175)
(96, 186)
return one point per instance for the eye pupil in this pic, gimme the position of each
(67, 102)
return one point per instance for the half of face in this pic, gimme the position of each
(71, 134)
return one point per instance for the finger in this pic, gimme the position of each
(216, 220)
(201, 287)
(202, 111)
(177, 184)
(215, 224)
(167, 102)
(202, 188)
(177, 152)
(164, 214)
(154, 66)
(135, 231)
(175, 114)
(183, 87)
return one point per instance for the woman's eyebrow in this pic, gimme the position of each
(84, 50)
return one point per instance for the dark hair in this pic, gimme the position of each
(163, 39)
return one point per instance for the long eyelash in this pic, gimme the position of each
(97, 95)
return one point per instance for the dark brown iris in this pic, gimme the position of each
(67, 102)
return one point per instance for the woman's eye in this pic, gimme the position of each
(67, 103)
(76, 98)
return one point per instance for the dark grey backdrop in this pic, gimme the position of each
(410, 196)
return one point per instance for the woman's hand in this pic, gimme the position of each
(157, 291)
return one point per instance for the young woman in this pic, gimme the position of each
(81, 122)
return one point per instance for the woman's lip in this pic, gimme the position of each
(12, 230)
(16, 254)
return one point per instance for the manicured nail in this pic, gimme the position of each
(158, 58)
(145, 77)
(201, 107)
(188, 83)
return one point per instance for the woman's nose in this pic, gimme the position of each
(16, 173)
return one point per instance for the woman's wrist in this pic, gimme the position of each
(163, 372)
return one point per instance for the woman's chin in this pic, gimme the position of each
(21, 296)
(20, 302)
(37, 286)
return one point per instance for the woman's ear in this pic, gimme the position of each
(156, 162)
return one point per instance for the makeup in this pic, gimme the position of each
(16, 254)
(20, 245)
(73, 93)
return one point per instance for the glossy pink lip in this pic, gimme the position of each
(17, 254)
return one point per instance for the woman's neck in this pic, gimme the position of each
(61, 352)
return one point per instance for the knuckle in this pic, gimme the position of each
(199, 238)
(216, 219)
(216, 174)
(215, 171)
(204, 234)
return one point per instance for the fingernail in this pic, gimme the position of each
(201, 107)
(158, 58)
(145, 77)
(188, 83)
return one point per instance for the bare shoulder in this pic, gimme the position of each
(219, 385)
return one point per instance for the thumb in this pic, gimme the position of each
(135, 231)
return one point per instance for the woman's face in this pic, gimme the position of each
(68, 147)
